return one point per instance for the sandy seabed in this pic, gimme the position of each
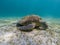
(9, 35)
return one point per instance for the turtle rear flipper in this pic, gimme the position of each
(43, 26)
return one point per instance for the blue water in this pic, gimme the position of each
(44, 8)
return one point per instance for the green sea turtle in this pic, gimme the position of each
(31, 22)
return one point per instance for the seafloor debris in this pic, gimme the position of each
(29, 23)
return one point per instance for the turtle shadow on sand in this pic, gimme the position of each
(29, 23)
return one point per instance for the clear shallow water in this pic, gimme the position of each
(44, 8)
(13, 10)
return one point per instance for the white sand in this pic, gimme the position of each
(9, 35)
